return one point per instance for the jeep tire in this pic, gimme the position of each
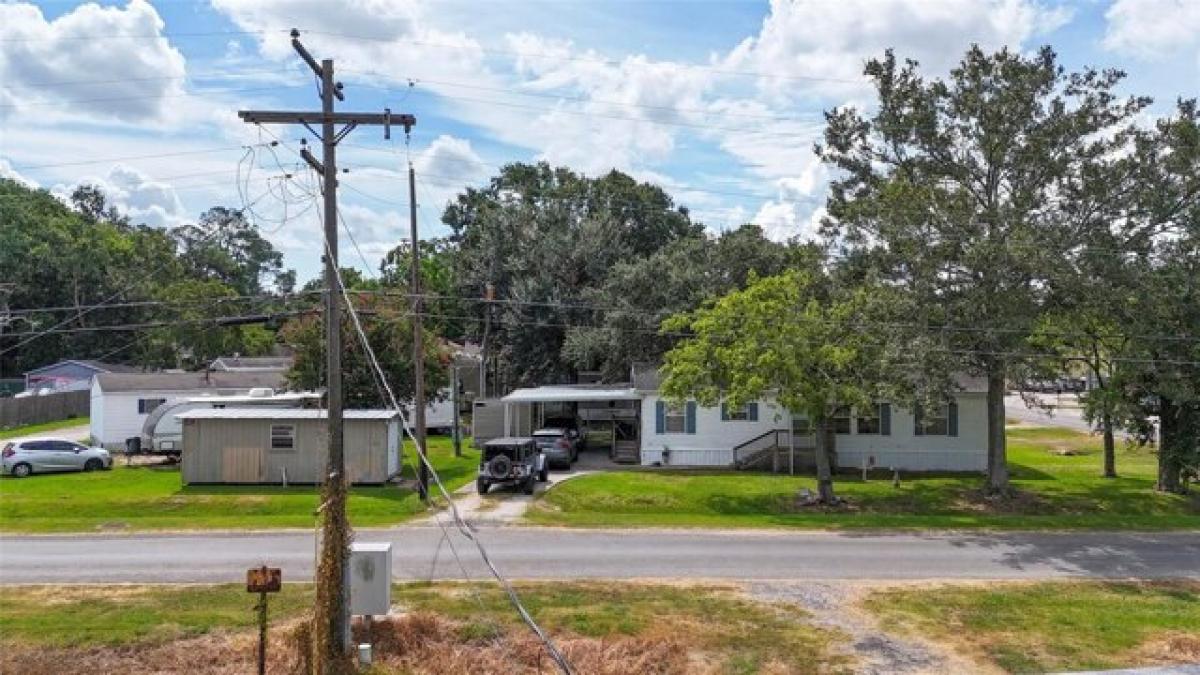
(544, 474)
(527, 486)
(481, 486)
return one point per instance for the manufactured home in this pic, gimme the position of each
(121, 402)
(644, 428)
(71, 375)
(283, 446)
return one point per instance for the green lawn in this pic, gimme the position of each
(44, 426)
(603, 627)
(1053, 626)
(1055, 491)
(152, 498)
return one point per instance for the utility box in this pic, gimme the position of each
(370, 578)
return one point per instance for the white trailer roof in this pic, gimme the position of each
(565, 393)
(265, 413)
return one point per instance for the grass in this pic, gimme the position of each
(153, 498)
(1055, 491)
(1053, 626)
(603, 628)
(43, 427)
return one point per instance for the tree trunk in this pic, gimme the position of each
(997, 478)
(824, 464)
(1170, 465)
(1110, 450)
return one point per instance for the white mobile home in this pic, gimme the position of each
(120, 402)
(952, 438)
(285, 445)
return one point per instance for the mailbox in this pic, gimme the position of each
(370, 578)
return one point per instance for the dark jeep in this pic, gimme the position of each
(511, 460)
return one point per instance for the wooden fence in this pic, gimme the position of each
(16, 412)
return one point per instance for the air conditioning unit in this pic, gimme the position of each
(370, 578)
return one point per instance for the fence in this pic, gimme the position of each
(15, 412)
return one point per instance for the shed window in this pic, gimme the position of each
(675, 419)
(147, 405)
(283, 436)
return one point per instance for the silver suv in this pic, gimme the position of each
(44, 455)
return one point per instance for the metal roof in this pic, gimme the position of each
(264, 413)
(567, 393)
(130, 382)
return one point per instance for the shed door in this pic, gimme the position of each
(241, 465)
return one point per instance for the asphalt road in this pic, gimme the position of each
(421, 553)
(1066, 415)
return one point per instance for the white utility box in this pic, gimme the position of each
(370, 578)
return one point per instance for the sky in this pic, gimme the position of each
(718, 102)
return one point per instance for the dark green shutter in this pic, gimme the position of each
(724, 411)
(917, 430)
(690, 422)
(952, 419)
(660, 417)
(752, 411)
(885, 419)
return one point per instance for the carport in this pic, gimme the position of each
(609, 416)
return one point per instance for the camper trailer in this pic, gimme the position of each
(162, 432)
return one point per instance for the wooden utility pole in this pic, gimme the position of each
(418, 339)
(331, 629)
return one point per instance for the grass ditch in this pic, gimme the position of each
(447, 628)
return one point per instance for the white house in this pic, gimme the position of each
(952, 438)
(120, 402)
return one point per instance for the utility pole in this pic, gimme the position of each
(418, 339)
(331, 626)
(456, 436)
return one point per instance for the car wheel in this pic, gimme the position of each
(22, 470)
(528, 487)
(93, 464)
(481, 486)
(544, 474)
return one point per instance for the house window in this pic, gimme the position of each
(147, 405)
(935, 422)
(868, 420)
(801, 426)
(675, 418)
(283, 436)
(841, 420)
(745, 413)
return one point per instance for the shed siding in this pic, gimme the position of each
(206, 442)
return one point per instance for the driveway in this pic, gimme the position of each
(76, 433)
(550, 553)
(1064, 411)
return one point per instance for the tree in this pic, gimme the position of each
(445, 313)
(793, 336)
(390, 335)
(195, 336)
(226, 247)
(968, 191)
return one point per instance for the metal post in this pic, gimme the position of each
(418, 338)
(456, 434)
(262, 633)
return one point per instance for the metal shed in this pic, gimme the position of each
(277, 446)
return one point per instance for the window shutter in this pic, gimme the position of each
(885, 419)
(690, 421)
(917, 430)
(724, 411)
(660, 417)
(952, 421)
(752, 411)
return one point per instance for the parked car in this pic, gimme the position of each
(515, 461)
(571, 425)
(45, 455)
(560, 446)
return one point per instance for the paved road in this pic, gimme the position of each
(1063, 413)
(556, 553)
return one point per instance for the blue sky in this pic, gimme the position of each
(719, 102)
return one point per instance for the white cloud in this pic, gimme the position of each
(7, 171)
(782, 221)
(133, 78)
(136, 195)
(1152, 29)
(811, 47)
(450, 158)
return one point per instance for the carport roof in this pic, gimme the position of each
(566, 393)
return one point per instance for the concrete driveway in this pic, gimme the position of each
(75, 433)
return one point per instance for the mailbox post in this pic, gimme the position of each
(263, 580)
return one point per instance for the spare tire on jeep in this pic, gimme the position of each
(499, 467)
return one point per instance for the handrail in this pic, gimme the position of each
(737, 461)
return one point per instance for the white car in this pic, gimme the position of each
(46, 455)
